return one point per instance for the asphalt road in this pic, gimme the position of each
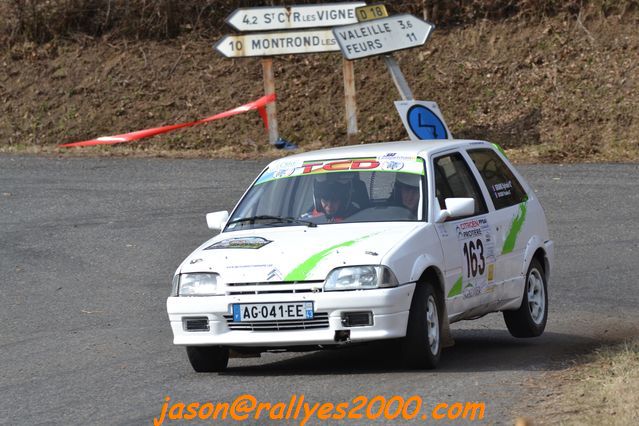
(88, 248)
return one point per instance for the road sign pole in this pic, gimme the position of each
(271, 110)
(349, 99)
(398, 78)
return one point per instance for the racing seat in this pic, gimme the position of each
(359, 195)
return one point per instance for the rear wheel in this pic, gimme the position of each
(208, 359)
(422, 345)
(530, 319)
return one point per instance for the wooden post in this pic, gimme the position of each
(349, 99)
(271, 110)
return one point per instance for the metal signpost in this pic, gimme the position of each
(378, 35)
(292, 41)
(359, 31)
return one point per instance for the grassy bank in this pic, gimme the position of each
(602, 388)
(560, 86)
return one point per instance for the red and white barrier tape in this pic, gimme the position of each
(259, 105)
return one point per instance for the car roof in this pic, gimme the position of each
(421, 148)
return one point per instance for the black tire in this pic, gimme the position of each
(208, 359)
(530, 319)
(422, 346)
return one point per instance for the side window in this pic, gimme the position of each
(453, 179)
(503, 187)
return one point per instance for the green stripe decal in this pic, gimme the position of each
(515, 229)
(302, 270)
(500, 149)
(457, 288)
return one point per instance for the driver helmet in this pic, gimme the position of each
(335, 187)
(407, 180)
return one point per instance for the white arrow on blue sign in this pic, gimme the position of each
(380, 36)
(292, 17)
(423, 120)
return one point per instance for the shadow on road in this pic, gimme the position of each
(474, 351)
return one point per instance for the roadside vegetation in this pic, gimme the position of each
(602, 388)
(550, 81)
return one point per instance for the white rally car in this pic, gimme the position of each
(379, 241)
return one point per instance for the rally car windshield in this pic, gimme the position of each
(333, 192)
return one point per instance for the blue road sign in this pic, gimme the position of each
(425, 124)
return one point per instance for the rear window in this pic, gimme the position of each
(504, 188)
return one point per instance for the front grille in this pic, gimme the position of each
(274, 287)
(319, 321)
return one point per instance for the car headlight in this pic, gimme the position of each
(198, 284)
(175, 284)
(360, 278)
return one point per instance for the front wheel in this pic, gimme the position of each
(208, 359)
(422, 347)
(530, 319)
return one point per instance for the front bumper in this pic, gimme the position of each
(390, 308)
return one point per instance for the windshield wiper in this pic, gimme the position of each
(288, 219)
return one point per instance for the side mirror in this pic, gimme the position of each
(216, 221)
(456, 207)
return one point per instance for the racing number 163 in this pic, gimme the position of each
(473, 258)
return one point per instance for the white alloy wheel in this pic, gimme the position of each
(530, 319)
(432, 322)
(536, 296)
(421, 348)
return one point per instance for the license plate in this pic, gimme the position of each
(272, 311)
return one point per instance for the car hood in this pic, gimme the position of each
(295, 253)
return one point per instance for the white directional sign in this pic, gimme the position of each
(384, 35)
(292, 17)
(277, 43)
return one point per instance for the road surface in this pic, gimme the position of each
(88, 248)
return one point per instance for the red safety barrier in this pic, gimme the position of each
(259, 105)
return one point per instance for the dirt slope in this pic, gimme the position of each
(558, 89)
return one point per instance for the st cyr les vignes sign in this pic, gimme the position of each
(293, 17)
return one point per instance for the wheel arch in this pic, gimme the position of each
(535, 250)
(432, 274)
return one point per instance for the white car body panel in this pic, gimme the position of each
(298, 259)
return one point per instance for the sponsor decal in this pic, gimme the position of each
(240, 243)
(392, 165)
(491, 272)
(515, 229)
(478, 256)
(503, 189)
(285, 169)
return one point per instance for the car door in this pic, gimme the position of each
(509, 199)
(468, 242)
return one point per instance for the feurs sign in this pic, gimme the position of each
(368, 34)
(382, 36)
